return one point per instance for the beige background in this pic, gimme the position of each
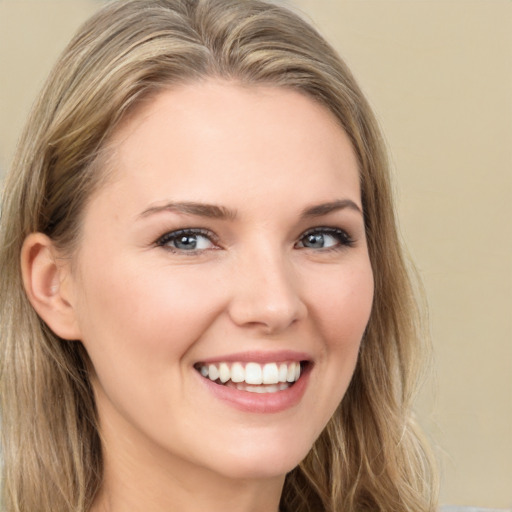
(439, 75)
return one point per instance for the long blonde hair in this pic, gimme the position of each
(370, 456)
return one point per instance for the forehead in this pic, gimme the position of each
(207, 139)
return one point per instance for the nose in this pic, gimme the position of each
(265, 293)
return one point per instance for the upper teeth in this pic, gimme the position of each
(252, 373)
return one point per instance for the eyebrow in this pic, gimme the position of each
(333, 206)
(192, 208)
(221, 212)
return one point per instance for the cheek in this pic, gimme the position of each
(140, 325)
(138, 313)
(341, 304)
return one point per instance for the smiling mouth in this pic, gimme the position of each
(253, 377)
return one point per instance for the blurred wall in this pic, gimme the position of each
(439, 75)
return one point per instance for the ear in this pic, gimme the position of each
(48, 285)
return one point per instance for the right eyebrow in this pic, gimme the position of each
(192, 208)
(320, 210)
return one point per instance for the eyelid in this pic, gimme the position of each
(170, 235)
(345, 240)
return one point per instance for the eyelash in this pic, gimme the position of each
(342, 237)
(164, 240)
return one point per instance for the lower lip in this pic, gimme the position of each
(263, 403)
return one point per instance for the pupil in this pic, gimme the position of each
(186, 242)
(316, 241)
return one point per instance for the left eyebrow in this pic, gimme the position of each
(326, 208)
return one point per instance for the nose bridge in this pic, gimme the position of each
(266, 292)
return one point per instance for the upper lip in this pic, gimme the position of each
(262, 357)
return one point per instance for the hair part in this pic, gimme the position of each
(371, 455)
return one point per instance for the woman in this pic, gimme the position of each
(204, 302)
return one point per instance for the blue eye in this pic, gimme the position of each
(324, 238)
(187, 240)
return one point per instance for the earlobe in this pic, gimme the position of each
(47, 284)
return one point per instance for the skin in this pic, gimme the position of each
(148, 312)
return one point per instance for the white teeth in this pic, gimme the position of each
(253, 377)
(297, 372)
(253, 373)
(237, 373)
(290, 375)
(270, 374)
(283, 371)
(255, 389)
(213, 372)
(263, 389)
(224, 373)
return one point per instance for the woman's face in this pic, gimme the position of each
(229, 245)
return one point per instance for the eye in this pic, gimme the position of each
(324, 238)
(187, 240)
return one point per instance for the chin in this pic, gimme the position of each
(262, 462)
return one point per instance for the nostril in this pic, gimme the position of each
(269, 313)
